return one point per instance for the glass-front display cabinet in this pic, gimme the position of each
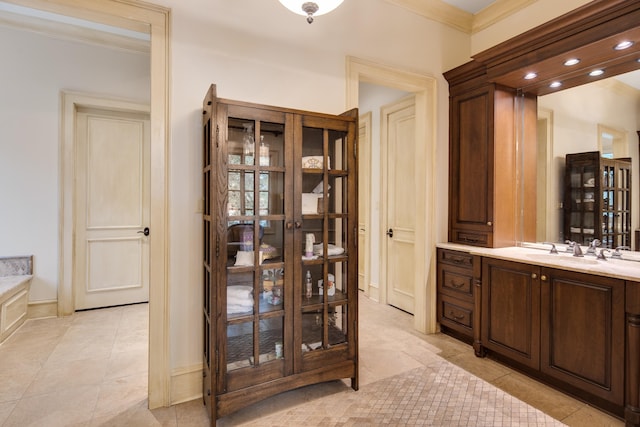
(597, 206)
(280, 251)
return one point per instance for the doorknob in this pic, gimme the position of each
(145, 231)
(390, 232)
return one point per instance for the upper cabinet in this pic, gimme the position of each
(481, 164)
(280, 251)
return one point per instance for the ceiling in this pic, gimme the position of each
(471, 6)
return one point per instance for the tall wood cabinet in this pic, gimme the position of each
(280, 251)
(597, 200)
(482, 173)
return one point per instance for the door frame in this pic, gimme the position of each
(366, 121)
(424, 89)
(144, 17)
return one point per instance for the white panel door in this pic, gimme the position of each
(400, 203)
(111, 265)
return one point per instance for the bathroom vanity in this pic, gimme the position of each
(571, 322)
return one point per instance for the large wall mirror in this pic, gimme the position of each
(602, 116)
(565, 107)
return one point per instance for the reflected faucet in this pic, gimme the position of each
(570, 245)
(553, 250)
(617, 254)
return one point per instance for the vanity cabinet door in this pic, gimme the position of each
(582, 327)
(511, 310)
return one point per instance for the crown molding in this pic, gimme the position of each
(459, 19)
(497, 11)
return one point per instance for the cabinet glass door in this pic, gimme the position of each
(323, 246)
(255, 292)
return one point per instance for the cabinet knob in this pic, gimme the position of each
(289, 225)
(534, 276)
(489, 223)
(298, 224)
(543, 278)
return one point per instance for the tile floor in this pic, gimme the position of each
(90, 369)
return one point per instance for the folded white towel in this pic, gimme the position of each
(236, 309)
(331, 249)
(240, 301)
(240, 291)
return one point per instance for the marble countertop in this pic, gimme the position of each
(627, 268)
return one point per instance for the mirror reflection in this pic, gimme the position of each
(602, 117)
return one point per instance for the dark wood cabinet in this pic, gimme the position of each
(481, 166)
(458, 302)
(567, 326)
(511, 310)
(583, 332)
(280, 251)
(597, 201)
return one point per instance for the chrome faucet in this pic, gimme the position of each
(577, 250)
(591, 250)
(553, 250)
(601, 254)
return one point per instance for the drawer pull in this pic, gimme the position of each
(453, 315)
(456, 285)
(543, 278)
(457, 260)
(534, 276)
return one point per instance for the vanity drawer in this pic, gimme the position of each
(456, 258)
(456, 314)
(456, 283)
(471, 238)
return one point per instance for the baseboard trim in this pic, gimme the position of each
(39, 309)
(186, 384)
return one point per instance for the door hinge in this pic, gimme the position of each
(217, 246)
(217, 135)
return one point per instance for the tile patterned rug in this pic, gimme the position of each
(441, 394)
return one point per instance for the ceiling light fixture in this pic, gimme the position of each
(311, 9)
(555, 85)
(530, 76)
(623, 45)
(596, 73)
(571, 61)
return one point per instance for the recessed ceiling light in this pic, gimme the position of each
(555, 84)
(571, 61)
(595, 73)
(530, 76)
(623, 45)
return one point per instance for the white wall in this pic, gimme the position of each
(35, 69)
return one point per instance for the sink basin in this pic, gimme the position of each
(562, 259)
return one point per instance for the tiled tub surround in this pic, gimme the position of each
(15, 281)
